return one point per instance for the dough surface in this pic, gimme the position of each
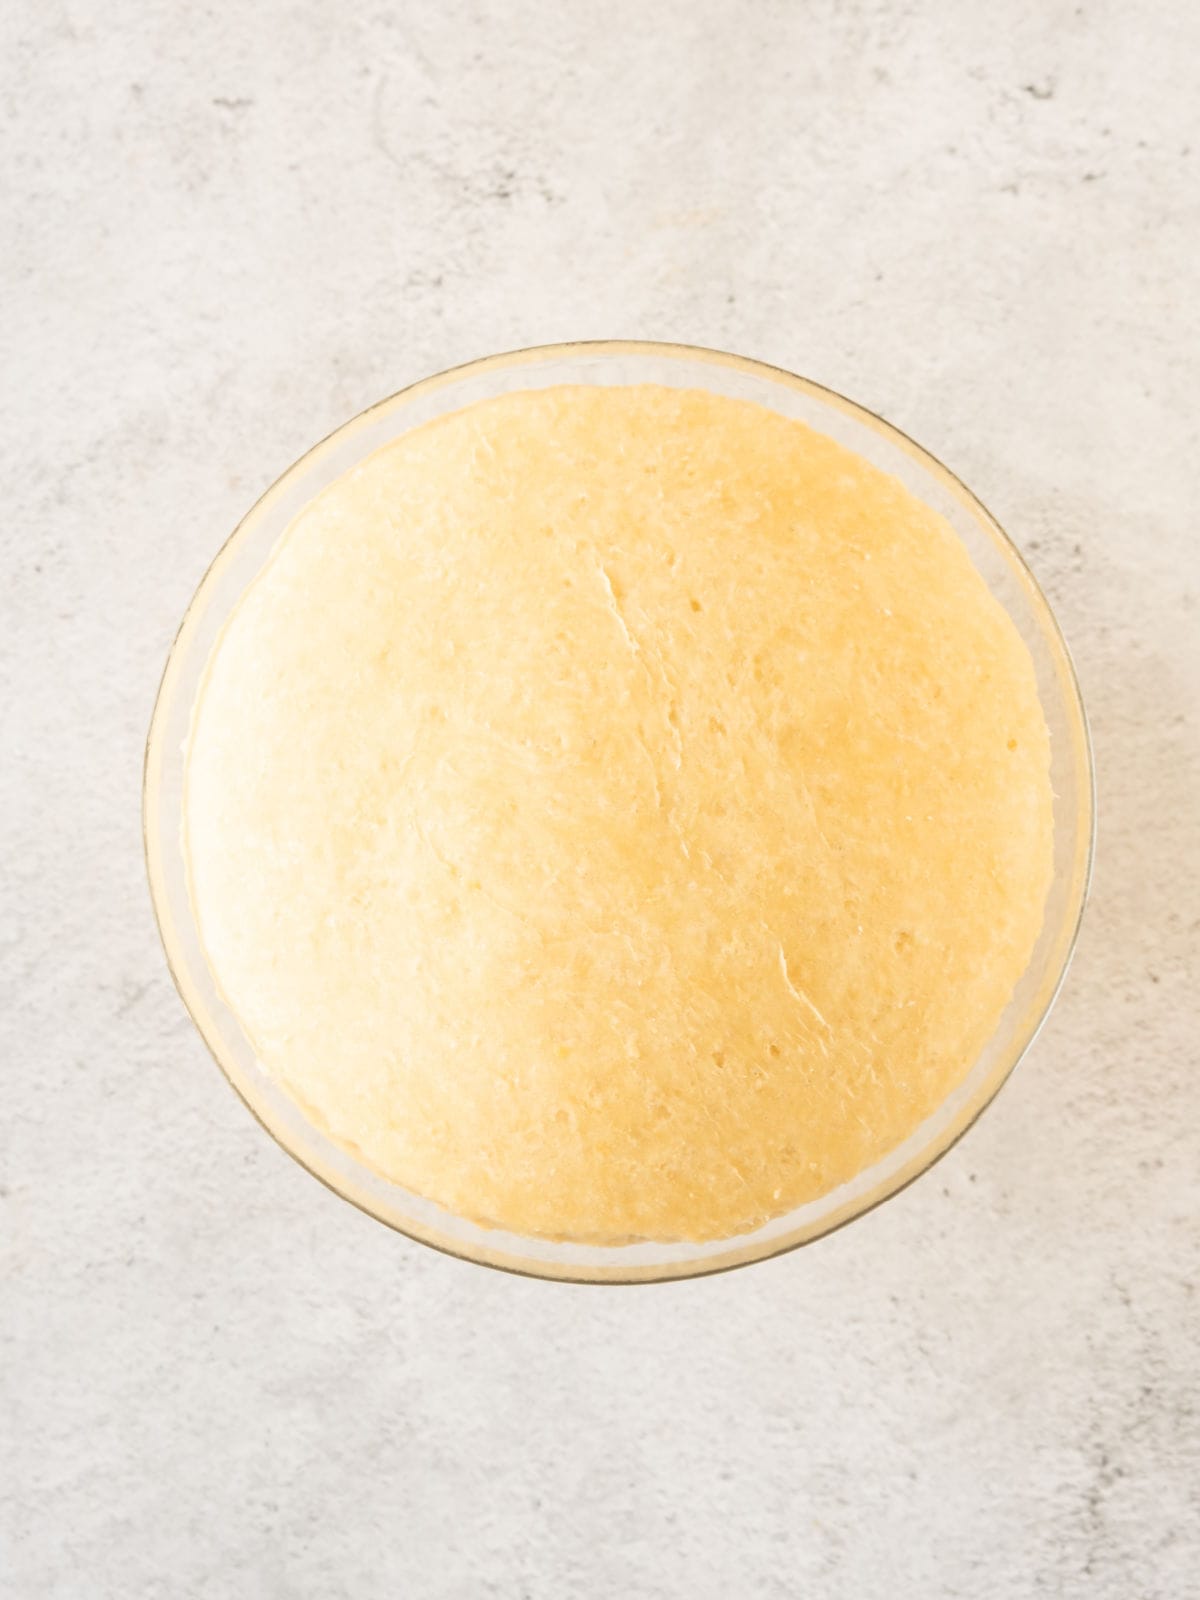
(618, 812)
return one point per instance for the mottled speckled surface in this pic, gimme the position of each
(228, 228)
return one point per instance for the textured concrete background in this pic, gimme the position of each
(228, 227)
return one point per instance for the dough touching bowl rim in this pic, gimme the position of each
(573, 1261)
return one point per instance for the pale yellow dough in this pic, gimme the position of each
(618, 813)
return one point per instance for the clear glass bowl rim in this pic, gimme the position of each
(567, 1260)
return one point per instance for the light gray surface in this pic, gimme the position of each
(226, 229)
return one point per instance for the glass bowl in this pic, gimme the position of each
(678, 366)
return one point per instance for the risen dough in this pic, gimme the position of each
(618, 812)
